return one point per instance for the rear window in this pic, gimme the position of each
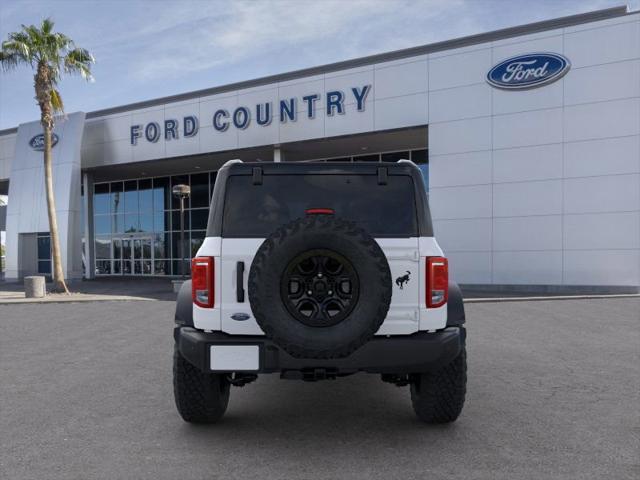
(257, 210)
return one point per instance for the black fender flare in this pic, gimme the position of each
(184, 306)
(455, 306)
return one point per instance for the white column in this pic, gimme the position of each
(277, 155)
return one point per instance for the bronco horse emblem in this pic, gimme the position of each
(400, 281)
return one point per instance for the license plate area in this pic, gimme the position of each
(234, 358)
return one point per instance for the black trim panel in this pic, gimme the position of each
(401, 354)
(184, 306)
(240, 282)
(455, 306)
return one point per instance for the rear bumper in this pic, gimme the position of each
(420, 352)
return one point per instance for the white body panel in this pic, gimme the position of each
(407, 313)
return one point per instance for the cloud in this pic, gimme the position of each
(190, 37)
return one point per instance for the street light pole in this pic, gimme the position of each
(181, 192)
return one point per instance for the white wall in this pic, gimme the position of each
(7, 151)
(540, 186)
(27, 206)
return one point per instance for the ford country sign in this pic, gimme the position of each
(37, 142)
(528, 71)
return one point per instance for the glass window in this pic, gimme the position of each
(256, 211)
(395, 156)
(161, 222)
(200, 190)
(197, 237)
(179, 180)
(101, 198)
(103, 247)
(117, 223)
(131, 222)
(44, 266)
(116, 197)
(103, 267)
(117, 248)
(44, 247)
(161, 194)
(146, 222)
(131, 203)
(160, 245)
(199, 218)
(175, 244)
(175, 220)
(102, 224)
(420, 156)
(145, 195)
(186, 267)
(162, 267)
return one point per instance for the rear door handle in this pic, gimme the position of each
(240, 282)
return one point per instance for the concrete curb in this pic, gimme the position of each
(76, 299)
(547, 298)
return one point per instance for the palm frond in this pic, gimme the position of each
(47, 26)
(56, 101)
(79, 61)
(9, 61)
(17, 46)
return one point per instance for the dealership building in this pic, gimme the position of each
(528, 138)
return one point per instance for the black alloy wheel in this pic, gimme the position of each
(320, 288)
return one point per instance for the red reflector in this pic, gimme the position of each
(319, 211)
(437, 281)
(202, 283)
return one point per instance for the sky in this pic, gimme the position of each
(150, 49)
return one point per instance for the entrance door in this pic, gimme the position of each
(133, 256)
(142, 261)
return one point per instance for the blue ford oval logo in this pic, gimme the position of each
(37, 142)
(240, 317)
(528, 71)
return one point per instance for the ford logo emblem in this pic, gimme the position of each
(241, 317)
(37, 142)
(528, 71)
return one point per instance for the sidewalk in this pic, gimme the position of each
(103, 289)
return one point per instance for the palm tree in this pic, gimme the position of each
(50, 55)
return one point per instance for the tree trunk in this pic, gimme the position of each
(43, 85)
(59, 284)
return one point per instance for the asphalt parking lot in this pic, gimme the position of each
(85, 392)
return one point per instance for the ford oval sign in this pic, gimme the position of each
(240, 317)
(37, 142)
(528, 71)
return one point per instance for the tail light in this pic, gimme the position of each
(319, 211)
(202, 281)
(437, 281)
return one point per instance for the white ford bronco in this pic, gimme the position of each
(317, 271)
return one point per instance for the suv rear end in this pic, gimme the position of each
(315, 271)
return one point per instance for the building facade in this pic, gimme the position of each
(528, 137)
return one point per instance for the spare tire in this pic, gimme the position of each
(320, 287)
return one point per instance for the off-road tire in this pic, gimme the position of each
(438, 397)
(200, 397)
(306, 234)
